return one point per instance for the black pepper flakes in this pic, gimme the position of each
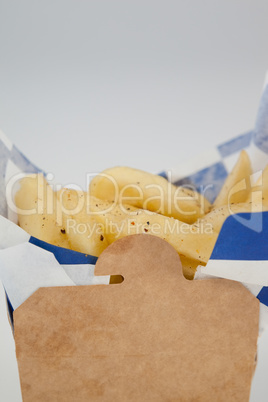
(63, 231)
(101, 238)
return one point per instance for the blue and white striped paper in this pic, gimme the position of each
(243, 257)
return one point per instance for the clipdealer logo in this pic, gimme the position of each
(163, 199)
(49, 199)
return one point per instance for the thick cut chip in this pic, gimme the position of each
(259, 192)
(237, 185)
(187, 239)
(37, 210)
(125, 185)
(84, 230)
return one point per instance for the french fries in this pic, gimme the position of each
(259, 192)
(124, 201)
(237, 185)
(150, 192)
(43, 213)
(84, 231)
(192, 241)
(37, 211)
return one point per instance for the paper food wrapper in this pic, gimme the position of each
(105, 342)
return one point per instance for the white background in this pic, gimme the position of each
(86, 85)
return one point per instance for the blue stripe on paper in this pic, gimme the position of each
(207, 181)
(22, 162)
(64, 255)
(163, 174)
(263, 296)
(236, 144)
(243, 237)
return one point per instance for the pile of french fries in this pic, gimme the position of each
(122, 201)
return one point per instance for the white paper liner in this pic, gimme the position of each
(40, 269)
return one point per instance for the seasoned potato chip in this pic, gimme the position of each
(237, 184)
(144, 190)
(192, 241)
(37, 210)
(84, 230)
(259, 191)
